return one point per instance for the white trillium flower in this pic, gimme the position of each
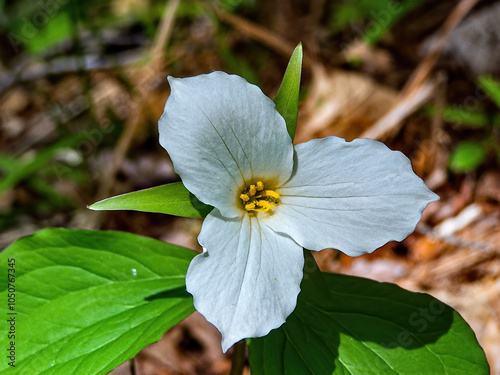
(231, 149)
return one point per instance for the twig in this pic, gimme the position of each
(238, 358)
(133, 122)
(421, 74)
(420, 86)
(405, 106)
(439, 138)
(164, 32)
(261, 34)
(457, 241)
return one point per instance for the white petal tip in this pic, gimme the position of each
(226, 345)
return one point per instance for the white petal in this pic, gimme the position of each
(352, 196)
(223, 133)
(247, 280)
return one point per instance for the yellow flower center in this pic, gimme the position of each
(256, 198)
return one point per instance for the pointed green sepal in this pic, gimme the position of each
(171, 199)
(287, 98)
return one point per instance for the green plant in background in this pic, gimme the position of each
(86, 301)
(491, 87)
(37, 27)
(234, 5)
(234, 62)
(59, 28)
(37, 171)
(469, 155)
(57, 37)
(468, 119)
(371, 20)
(16, 170)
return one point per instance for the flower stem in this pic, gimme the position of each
(132, 366)
(238, 358)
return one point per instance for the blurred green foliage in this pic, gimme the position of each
(234, 5)
(465, 118)
(235, 63)
(59, 28)
(491, 87)
(467, 156)
(190, 9)
(370, 19)
(38, 172)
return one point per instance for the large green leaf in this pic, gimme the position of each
(87, 301)
(172, 199)
(287, 98)
(350, 325)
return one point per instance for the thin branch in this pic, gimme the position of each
(405, 106)
(424, 69)
(164, 31)
(263, 35)
(420, 87)
(136, 117)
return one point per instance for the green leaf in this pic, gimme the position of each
(87, 301)
(384, 19)
(18, 170)
(350, 325)
(39, 28)
(466, 157)
(465, 118)
(491, 87)
(287, 98)
(58, 29)
(234, 63)
(172, 199)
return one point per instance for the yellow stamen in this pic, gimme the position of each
(265, 205)
(270, 193)
(252, 190)
(250, 206)
(256, 198)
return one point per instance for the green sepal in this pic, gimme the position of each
(287, 98)
(171, 199)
